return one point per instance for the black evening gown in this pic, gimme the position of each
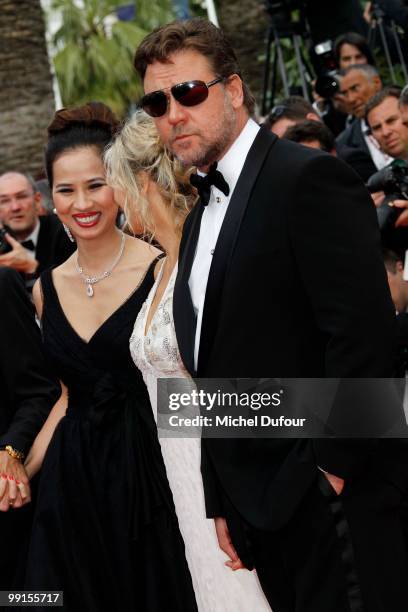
(105, 530)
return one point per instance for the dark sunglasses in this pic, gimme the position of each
(189, 93)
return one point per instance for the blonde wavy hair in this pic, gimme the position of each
(138, 149)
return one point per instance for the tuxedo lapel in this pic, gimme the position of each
(227, 239)
(183, 310)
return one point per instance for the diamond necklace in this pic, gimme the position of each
(92, 280)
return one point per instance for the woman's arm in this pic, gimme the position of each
(37, 452)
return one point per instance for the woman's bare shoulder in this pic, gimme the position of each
(143, 249)
(59, 273)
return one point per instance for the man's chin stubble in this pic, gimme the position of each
(201, 158)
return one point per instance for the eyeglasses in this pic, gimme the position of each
(189, 93)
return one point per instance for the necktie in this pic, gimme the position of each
(203, 184)
(28, 244)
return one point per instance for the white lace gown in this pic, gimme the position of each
(217, 587)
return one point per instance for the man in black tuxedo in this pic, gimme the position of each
(39, 241)
(280, 275)
(27, 396)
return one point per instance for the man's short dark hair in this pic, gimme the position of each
(293, 107)
(308, 131)
(392, 91)
(391, 259)
(197, 35)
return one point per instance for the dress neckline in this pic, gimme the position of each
(112, 314)
(151, 298)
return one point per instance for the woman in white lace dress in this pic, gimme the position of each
(155, 192)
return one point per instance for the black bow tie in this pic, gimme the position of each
(28, 244)
(203, 183)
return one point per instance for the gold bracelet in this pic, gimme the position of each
(14, 453)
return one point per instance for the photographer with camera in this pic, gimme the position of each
(383, 116)
(394, 182)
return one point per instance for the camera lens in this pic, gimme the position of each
(327, 86)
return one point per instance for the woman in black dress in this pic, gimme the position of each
(104, 530)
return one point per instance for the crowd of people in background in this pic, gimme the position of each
(375, 135)
(98, 477)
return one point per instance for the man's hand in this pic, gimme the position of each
(14, 485)
(367, 13)
(378, 198)
(336, 482)
(18, 258)
(403, 218)
(224, 542)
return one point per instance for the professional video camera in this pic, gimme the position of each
(393, 181)
(327, 82)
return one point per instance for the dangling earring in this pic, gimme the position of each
(68, 231)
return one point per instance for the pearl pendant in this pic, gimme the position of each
(89, 290)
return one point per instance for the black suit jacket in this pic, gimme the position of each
(27, 390)
(27, 396)
(53, 246)
(297, 288)
(352, 148)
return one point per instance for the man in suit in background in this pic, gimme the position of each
(280, 275)
(27, 396)
(355, 145)
(383, 116)
(38, 242)
(289, 112)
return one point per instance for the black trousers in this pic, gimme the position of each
(15, 526)
(342, 553)
(15, 530)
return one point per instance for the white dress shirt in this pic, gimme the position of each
(231, 166)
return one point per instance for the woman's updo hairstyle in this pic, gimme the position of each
(137, 150)
(90, 125)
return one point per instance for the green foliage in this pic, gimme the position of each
(94, 58)
(383, 68)
(291, 68)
